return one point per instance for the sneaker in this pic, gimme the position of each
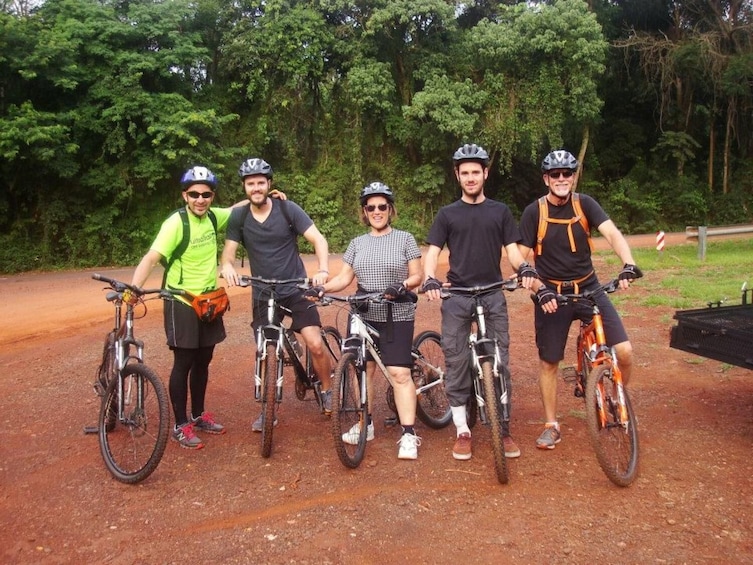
(185, 436)
(408, 446)
(351, 436)
(256, 426)
(327, 402)
(206, 423)
(549, 438)
(462, 448)
(511, 448)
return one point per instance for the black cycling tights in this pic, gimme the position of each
(196, 363)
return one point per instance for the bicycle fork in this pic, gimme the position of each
(480, 354)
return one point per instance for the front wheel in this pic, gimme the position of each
(428, 374)
(493, 414)
(268, 399)
(612, 425)
(132, 443)
(349, 410)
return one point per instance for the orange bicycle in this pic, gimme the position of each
(612, 424)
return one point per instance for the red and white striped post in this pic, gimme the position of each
(660, 242)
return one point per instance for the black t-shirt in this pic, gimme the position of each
(475, 235)
(557, 261)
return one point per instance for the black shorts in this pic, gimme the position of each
(184, 330)
(552, 329)
(397, 351)
(303, 312)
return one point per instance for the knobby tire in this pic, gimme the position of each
(493, 410)
(616, 445)
(432, 406)
(133, 446)
(349, 407)
(269, 399)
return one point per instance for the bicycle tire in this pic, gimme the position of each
(493, 414)
(615, 444)
(432, 406)
(471, 408)
(133, 447)
(348, 410)
(333, 341)
(106, 369)
(268, 399)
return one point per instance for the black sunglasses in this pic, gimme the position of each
(380, 207)
(560, 174)
(205, 195)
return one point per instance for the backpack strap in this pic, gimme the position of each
(183, 244)
(545, 220)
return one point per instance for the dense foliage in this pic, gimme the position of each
(104, 103)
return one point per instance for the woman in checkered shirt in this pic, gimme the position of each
(386, 260)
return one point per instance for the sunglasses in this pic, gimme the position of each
(561, 175)
(380, 207)
(196, 195)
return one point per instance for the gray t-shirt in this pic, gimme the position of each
(271, 245)
(381, 261)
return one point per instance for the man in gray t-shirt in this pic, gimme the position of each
(269, 229)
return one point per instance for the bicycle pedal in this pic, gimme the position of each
(569, 373)
(390, 421)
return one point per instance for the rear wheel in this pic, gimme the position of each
(268, 399)
(349, 411)
(132, 446)
(332, 341)
(614, 438)
(432, 408)
(493, 414)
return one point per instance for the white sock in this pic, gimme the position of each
(459, 419)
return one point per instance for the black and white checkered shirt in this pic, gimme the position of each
(381, 261)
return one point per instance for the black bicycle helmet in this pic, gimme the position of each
(376, 189)
(471, 152)
(255, 166)
(560, 159)
(198, 175)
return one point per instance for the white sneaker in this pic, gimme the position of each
(351, 436)
(408, 446)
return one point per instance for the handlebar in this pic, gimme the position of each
(588, 295)
(120, 286)
(376, 297)
(247, 280)
(507, 284)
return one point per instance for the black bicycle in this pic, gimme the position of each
(134, 416)
(490, 399)
(276, 347)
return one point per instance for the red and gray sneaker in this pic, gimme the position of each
(186, 437)
(206, 423)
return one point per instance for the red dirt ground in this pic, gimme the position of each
(226, 504)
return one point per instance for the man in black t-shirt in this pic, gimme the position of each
(563, 262)
(475, 230)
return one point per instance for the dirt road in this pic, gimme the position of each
(226, 504)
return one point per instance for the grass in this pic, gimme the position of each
(678, 279)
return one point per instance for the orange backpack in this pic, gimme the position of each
(545, 220)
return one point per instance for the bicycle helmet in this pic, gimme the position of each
(376, 189)
(560, 159)
(471, 152)
(198, 175)
(255, 166)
